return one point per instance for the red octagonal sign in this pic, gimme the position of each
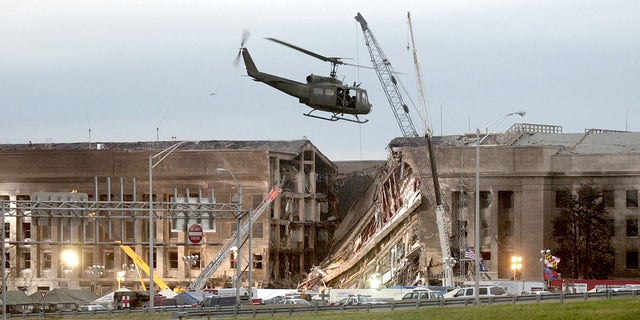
(194, 234)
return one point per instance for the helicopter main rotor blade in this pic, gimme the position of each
(357, 65)
(333, 60)
(245, 36)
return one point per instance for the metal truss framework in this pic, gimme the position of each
(105, 214)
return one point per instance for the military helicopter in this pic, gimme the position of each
(325, 94)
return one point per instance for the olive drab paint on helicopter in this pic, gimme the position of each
(321, 93)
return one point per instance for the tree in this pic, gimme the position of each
(583, 233)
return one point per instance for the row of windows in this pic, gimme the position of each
(174, 260)
(563, 197)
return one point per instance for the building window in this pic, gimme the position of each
(257, 261)
(26, 260)
(632, 198)
(7, 260)
(257, 230)
(173, 259)
(485, 199)
(607, 198)
(507, 228)
(46, 260)
(486, 255)
(45, 233)
(632, 259)
(632, 227)
(7, 230)
(563, 198)
(87, 258)
(109, 260)
(485, 228)
(506, 199)
(257, 200)
(129, 232)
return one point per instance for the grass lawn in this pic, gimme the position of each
(619, 309)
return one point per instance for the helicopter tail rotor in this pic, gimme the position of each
(245, 36)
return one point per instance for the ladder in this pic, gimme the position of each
(208, 271)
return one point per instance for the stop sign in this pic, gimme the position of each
(194, 234)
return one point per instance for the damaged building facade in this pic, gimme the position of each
(390, 235)
(105, 190)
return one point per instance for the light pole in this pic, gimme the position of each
(96, 271)
(158, 157)
(120, 277)
(238, 239)
(189, 262)
(476, 237)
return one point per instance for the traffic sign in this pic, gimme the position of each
(194, 234)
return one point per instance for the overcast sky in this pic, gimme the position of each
(139, 70)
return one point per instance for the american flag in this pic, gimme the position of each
(469, 254)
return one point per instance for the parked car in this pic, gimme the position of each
(358, 299)
(468, 292)
(422, 294)
(92, 307)
(296, 301)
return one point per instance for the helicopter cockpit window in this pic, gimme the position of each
(363, 96)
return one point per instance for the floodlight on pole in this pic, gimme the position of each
(238, 283)
(158, 157)
(476, 290)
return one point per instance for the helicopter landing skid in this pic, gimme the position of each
(335, 117)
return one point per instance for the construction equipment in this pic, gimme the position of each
(201, 280)
(389, 83)
(144, 266)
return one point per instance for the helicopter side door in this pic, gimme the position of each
(322, 97)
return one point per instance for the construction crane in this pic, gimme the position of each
(386, 75)
(144, 266)
(201, 280)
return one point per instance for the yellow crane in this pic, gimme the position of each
(144, 266)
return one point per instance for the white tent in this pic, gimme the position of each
(107, 299)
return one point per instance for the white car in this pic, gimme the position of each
(468, 292)
(421, 294)
(92, 307)
(301, 302)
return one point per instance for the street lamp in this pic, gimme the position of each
(158, 157)
(477, 209)
(95, 271)
(516, 266)
(238, 239)
(120, 278)
(189, 262)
